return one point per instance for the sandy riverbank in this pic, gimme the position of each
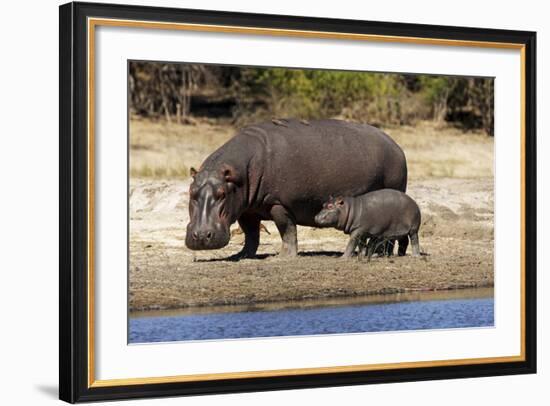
(457, 233)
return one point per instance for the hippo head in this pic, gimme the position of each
(331, 213)
(214, 204)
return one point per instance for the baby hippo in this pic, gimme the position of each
(382, 215)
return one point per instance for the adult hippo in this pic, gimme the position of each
(283, 170)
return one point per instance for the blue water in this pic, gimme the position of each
(415, 315)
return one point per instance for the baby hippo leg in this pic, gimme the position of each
(373, 244)
(415, 244)
(362, 248)
(354, 239)
(388, 249)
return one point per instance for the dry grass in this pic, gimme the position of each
(445, 152)
(167, 150)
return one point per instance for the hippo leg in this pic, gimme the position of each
(415, 244)
(403, 244)
(361, 248)
(250, 224)
(373, 244)
(287, 228)
(354, 240)
(380, 249)
(388, 247)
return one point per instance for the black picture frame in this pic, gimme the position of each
(74, 199)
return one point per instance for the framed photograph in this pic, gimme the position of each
(256, 202)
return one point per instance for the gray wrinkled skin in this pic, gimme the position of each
(382, 215)
(283, 170)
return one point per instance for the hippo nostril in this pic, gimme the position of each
(195, 235)
(209, 235)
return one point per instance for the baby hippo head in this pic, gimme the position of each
(331, 212)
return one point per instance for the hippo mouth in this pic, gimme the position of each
(209, 239)
(320, 219)
(324, 219)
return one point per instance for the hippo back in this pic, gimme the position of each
(300, 164)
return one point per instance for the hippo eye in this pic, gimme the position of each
(330, 206)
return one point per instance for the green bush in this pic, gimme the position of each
(259, 93)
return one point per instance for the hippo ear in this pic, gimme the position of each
(230, 174)
(340, 201)
(192, 172)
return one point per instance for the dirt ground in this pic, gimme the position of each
(451, 179)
